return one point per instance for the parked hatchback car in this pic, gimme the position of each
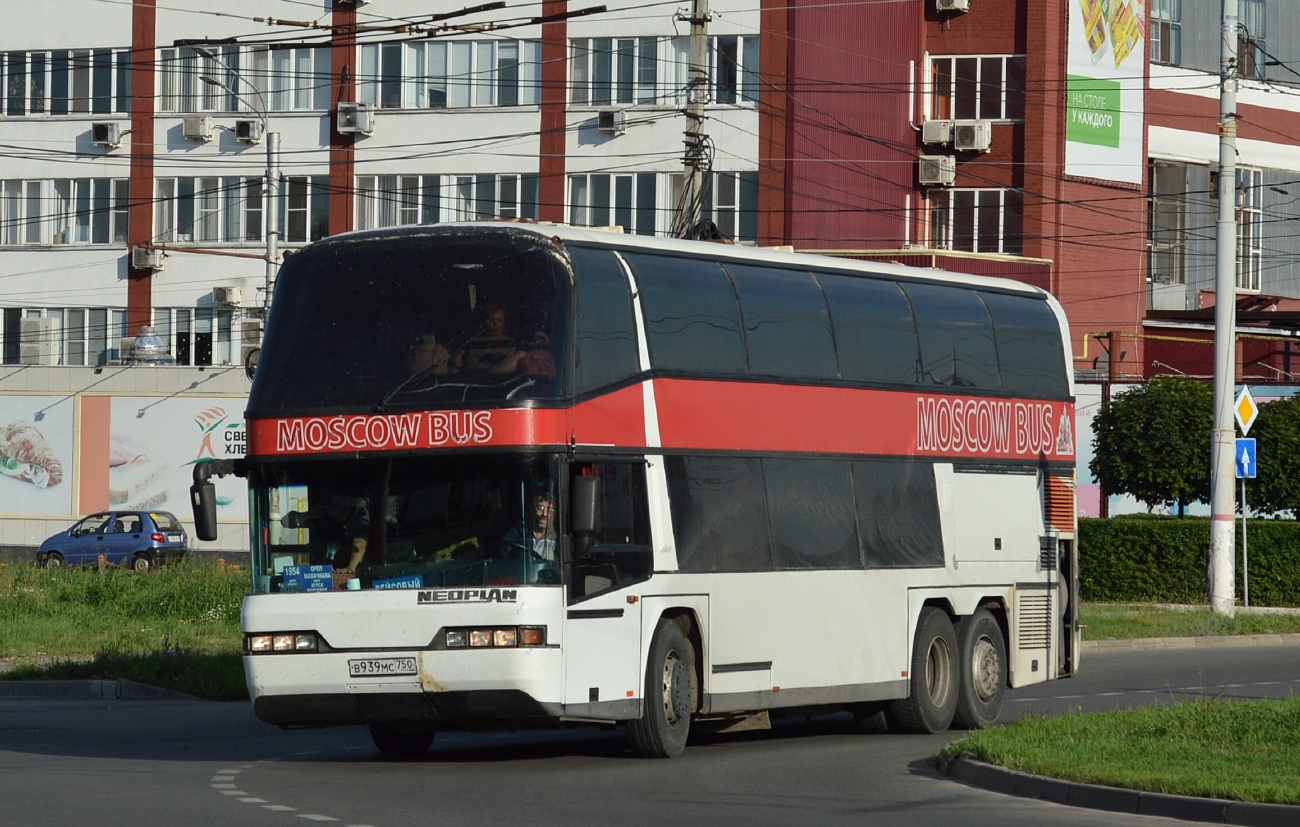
(139, 539)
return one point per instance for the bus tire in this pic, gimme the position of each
(931, 701)
(982, 670)
(393, 741)
(665, 721)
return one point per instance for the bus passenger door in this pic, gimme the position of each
(602, 632)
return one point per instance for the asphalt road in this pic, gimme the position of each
(196, 764)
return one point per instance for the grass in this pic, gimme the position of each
(1123, 621)
(1218, 748)
(177, 627)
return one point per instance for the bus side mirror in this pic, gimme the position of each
(203, 497)
(585, 516)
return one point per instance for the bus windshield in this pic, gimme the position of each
(426, 317)
(451, 521)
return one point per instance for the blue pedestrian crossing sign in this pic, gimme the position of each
(1244, 459)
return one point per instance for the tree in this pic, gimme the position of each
(1277, 434)
(1153, 442)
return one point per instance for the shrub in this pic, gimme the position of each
(1163, 559)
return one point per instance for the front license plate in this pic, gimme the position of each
(381, 667)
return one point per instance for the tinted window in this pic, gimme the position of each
(1030, 350)
(691, 317)
(606, 338)
(810, 511)
(957, 345)
(787, 329)
(383, 317)
(898, 513)
(719, 514)
(620, 552)
(874, 331)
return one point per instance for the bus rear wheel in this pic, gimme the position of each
(393, 741)
(983, 670)
(931, 700)
(665, 721)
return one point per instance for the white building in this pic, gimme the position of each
(136, 128)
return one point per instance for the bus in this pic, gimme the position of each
(512, 475)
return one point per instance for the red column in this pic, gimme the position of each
(139, 283)
(343, 87)
(554, 113)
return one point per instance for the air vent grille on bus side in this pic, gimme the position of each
(1058, 503)
(1035, 621)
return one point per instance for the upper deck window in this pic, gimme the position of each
(434, 318)
(691, 316)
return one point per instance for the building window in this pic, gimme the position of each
(1250, 225)
(304, 207)
(1168, 221)
(208, 209)
(65, 82)
(1166, 31)
(610, 71)
(988, 87)
(602, 200)
(474, 197)
(451, 74)
(274, 79)
(68, 336)
(197, 335)
(64, 211)
(396, 200)
(978, 221)
(1251, 54)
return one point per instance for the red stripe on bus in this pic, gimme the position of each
(715, 416)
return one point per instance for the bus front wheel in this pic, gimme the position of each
(665, 720)
(931, 700)
(983, 671)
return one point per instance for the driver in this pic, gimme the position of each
(539, 535)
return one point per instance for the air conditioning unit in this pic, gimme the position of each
(107, 135)
(227, 296)
(250, 331)
(356, 118)
(38, 341)
(198, 128)
(611, 121)
(952, 5)
(936, 132)
(937, 170)
(972, 136)
(248, 132)
(147, 258)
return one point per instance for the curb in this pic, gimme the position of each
(125, 690)
(1146, 644)
(970, 770)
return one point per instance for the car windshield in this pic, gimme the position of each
(412, 522)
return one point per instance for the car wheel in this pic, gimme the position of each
(53, 560)
(141, 562)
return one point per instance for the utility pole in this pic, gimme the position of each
(1222, 475)
(696, 160)
(272, 216)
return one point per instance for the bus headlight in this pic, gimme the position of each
(281, 642)
(500, 637)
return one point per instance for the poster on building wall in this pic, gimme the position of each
(36, 454)
(154, 443)
(1106, 66)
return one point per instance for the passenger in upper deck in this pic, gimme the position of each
(493, 351)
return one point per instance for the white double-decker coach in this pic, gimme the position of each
(507, 475)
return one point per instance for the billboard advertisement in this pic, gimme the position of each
(36, 455)
(1106, 66)
(154, 443)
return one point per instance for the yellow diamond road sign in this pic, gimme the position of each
(1246, 410)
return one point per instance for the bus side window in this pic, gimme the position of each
(620, 553)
